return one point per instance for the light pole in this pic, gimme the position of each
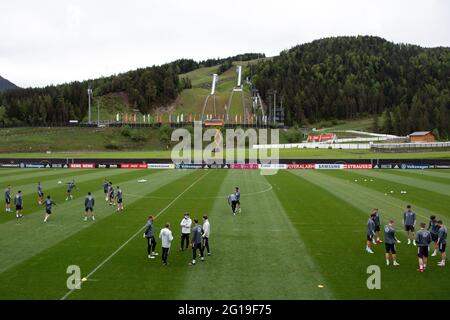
(274, 106)
(98, 113)
(89, 91)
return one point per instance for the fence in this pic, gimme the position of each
(380, 147)
(405, 147)
(353, 146)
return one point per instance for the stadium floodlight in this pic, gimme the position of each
(89, 91)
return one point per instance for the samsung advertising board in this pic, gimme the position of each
(329, 166)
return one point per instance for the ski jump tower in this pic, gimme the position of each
(212, 96)
(237, 88)
(215, 122)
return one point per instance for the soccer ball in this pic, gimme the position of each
(59, 182)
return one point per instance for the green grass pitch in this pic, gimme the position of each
(297, 230)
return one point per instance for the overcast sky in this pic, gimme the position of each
(48, 41)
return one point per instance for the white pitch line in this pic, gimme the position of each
(135, 235)
(204, 198)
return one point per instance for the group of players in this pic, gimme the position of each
(197, 235)
(435, 232)
(115, 198)
(191, 233)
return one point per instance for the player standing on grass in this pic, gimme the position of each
(390, 240)
(149, 235)
(105, 188)
(197, 232)
(8, 199)
(166, 239)
(433, 227)
(377, 221)
(409, 221)
(48, 207)
(111, 194)
(70, 187)
(423, 240)
(40, 193)
(119, 199)
(206, 233)
(232, 202)
(185, 230)
(370, 233)
(89, 206)
(18, 201)
(238, 200)
(442, 242)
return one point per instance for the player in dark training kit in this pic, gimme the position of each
(423, 240)
(390, 239)
(377, 221)
(70, 186)
(105, 189)
(238, 200)
(232, 202)
(18, 201)
(150, 236)
(40, 193)
(197, 232)
(370, 233)
(119, 199)
(433, 227)
(442, 242)
(409, 221)
(48, 207)
(112, 201)
(89, 206)
(8, 199)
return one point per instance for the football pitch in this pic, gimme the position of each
(301, 235)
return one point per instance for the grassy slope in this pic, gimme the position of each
(94, 142)
(67, 139)
(278, 248)
(364, 124)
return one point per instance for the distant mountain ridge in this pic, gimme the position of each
(6, 84)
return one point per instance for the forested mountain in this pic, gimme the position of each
(348, 77)
(146, 89)
(6, 85)
(403, 87)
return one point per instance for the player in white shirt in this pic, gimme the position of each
(185, 230)
(206, 233)
(166, 239)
